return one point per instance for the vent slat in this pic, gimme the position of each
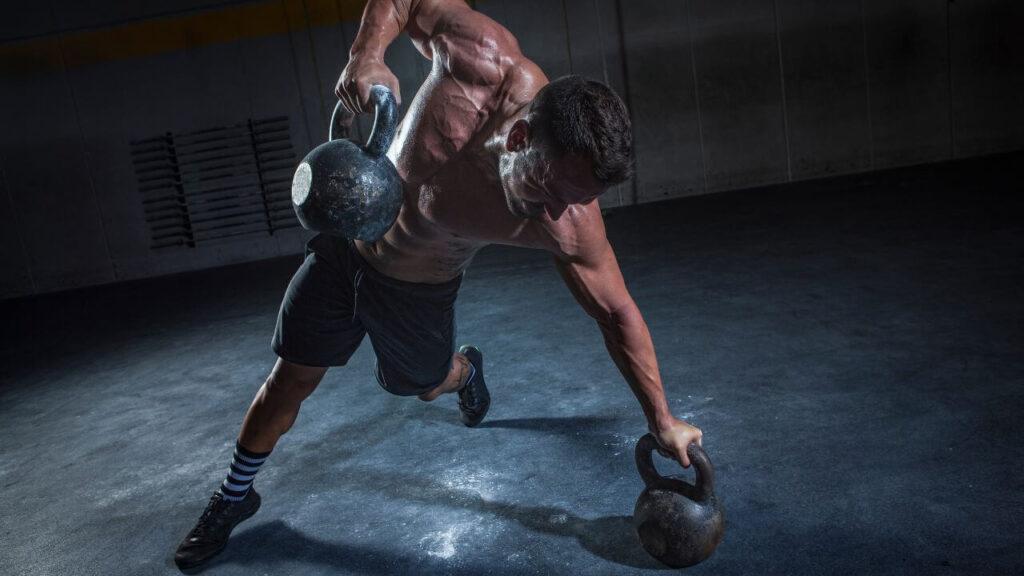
(181, 227)
(194, 161)
(146, 141)
(278, 165)
(210, 175)
(273, 146)
(161, 155)
(252, 225)
(178, 212)
(188, 152)
(230, 217)
(158, 170)
(202, 193)
(218, 171)
(227, 205)
(199, 195)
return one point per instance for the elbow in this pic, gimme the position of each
(611, 317)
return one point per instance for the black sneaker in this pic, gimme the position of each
(210, 534)
(474, 399)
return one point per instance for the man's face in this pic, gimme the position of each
(537, 181)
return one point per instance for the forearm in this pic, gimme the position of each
(383, 21)
(629, 343)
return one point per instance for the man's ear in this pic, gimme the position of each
(518, 136)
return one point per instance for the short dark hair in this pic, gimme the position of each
(586, 117)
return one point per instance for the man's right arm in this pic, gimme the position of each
(471, 56)
(382, 22)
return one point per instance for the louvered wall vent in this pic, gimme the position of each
(203, 186)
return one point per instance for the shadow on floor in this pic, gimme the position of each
(277, 542)
(558, 425)
(611, 538)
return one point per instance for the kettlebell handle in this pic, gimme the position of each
(705, 483)
(385, 120)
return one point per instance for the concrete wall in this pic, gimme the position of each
(724, 94)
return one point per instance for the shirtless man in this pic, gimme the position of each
(489, 152)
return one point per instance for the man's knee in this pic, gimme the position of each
(293, 381)
(451, 382)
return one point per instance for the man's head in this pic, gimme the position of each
(574, 143)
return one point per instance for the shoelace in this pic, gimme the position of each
(208, 518)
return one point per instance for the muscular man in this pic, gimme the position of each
(489, 152)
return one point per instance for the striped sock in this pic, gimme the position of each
(244, 466)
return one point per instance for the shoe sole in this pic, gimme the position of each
(194, 565)
(477, 423)
(462, 416)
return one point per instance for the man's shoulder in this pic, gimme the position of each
(475, 49)
(579, 234)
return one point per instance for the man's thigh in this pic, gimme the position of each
(412, 329)
(316, 324)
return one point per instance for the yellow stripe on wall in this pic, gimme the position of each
(175, 33)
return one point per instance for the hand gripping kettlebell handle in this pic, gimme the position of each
(705, 482)
(385, 120)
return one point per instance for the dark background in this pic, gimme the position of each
(724, 95)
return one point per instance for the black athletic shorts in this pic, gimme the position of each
(336, 297)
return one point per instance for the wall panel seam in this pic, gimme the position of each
(604, 71)
(568, 35)
(949, 77)
(312, 56)
(782, 88)
(625, 83)
(696, 95)
(298, 80)
(867, 86)
(85, 154)
(355, 131)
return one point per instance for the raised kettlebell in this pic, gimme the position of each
(343, 188)
(680, 524)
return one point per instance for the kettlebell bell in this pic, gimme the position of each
(679, 523)
(354, 191)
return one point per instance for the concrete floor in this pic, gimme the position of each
(851, 349)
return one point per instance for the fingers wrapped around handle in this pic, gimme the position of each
(704, 486)
(385, 120)
(341, 122)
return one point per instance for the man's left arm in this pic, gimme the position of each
(592, 274)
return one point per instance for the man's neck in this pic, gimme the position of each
(495, 144)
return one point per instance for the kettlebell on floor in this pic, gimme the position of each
(680, 524)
